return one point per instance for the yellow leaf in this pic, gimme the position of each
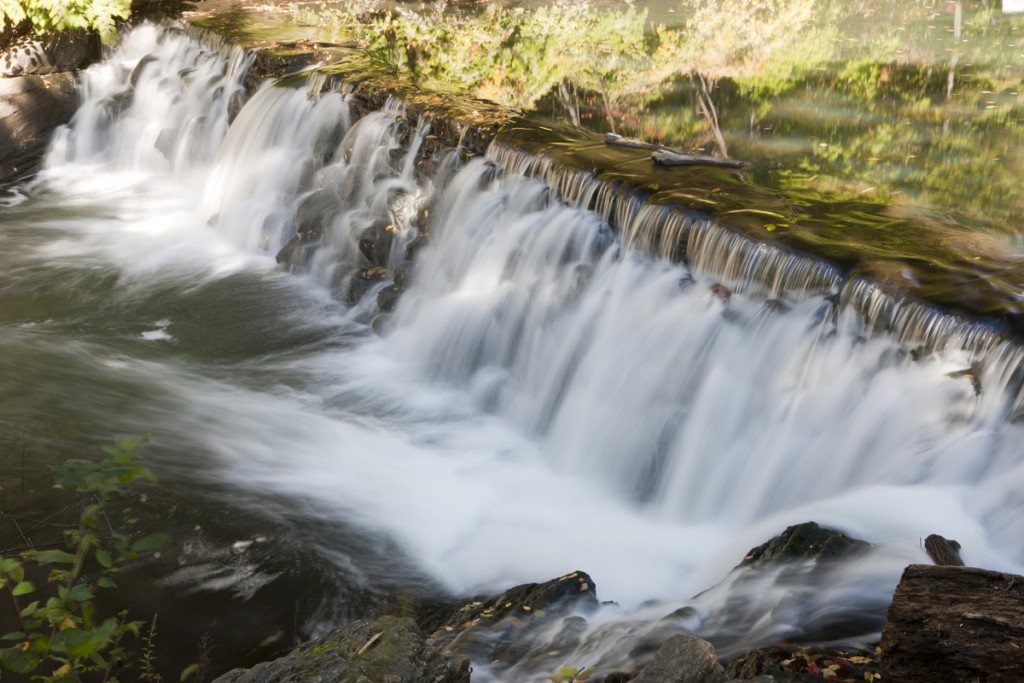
(66, 624)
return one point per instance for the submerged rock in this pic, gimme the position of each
(388, 649)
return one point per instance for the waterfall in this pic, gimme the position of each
(573, 376)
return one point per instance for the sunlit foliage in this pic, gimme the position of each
(58, 15)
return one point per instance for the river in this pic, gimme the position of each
(541, 400)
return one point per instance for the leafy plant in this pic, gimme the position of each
(61, 636)
(47, 16)
(571, 674)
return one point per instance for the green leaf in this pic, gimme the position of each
(16, 635)
(53, 557)
(23, 588)
(103, 557)
(151, 543)
(105, 582)
(77, 643)
(29, 609)
(13, 568)
(188, 672)
(132, 627)
(19, 661)
(80, 593)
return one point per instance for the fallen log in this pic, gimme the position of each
(949, 623)
(666, 156)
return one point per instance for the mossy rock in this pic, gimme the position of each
(388, 649)
(805, 541)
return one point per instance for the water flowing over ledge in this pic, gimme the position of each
(658, 222)
(714, 251)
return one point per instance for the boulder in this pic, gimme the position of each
(387, 298)
(498, 629)
(314, 214)
(297, 254)
(683, 659)
(773, 594)
(365, 280)
(31, 108)
(390, 649)
(575, 590)
(375, 243)
(807, 541)
(30, 54)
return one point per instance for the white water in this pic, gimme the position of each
(543, 401)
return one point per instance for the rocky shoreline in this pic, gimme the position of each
(926, 635)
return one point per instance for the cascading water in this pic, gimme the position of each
(543, 399)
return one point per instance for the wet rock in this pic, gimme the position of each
(297, 254)
(365, 280)
(722, 292)
(387, 298)
(140, 67)
(782, 579)
(402, 274)
(560, 595)
(375, 243)
(382, 325)
(413, 248)
(388, 649)
(165, 142)
(804, 542)
(401, 207)
(683, 659)
(497, 629)
(314, 214)
(31, 108)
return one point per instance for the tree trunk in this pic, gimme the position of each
(955, 624)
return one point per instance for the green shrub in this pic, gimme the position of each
(60, 636)
(47, 16)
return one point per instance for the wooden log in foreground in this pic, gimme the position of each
(666, 156)
(950, 623)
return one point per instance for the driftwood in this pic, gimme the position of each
(955, 624)
(667, 156)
